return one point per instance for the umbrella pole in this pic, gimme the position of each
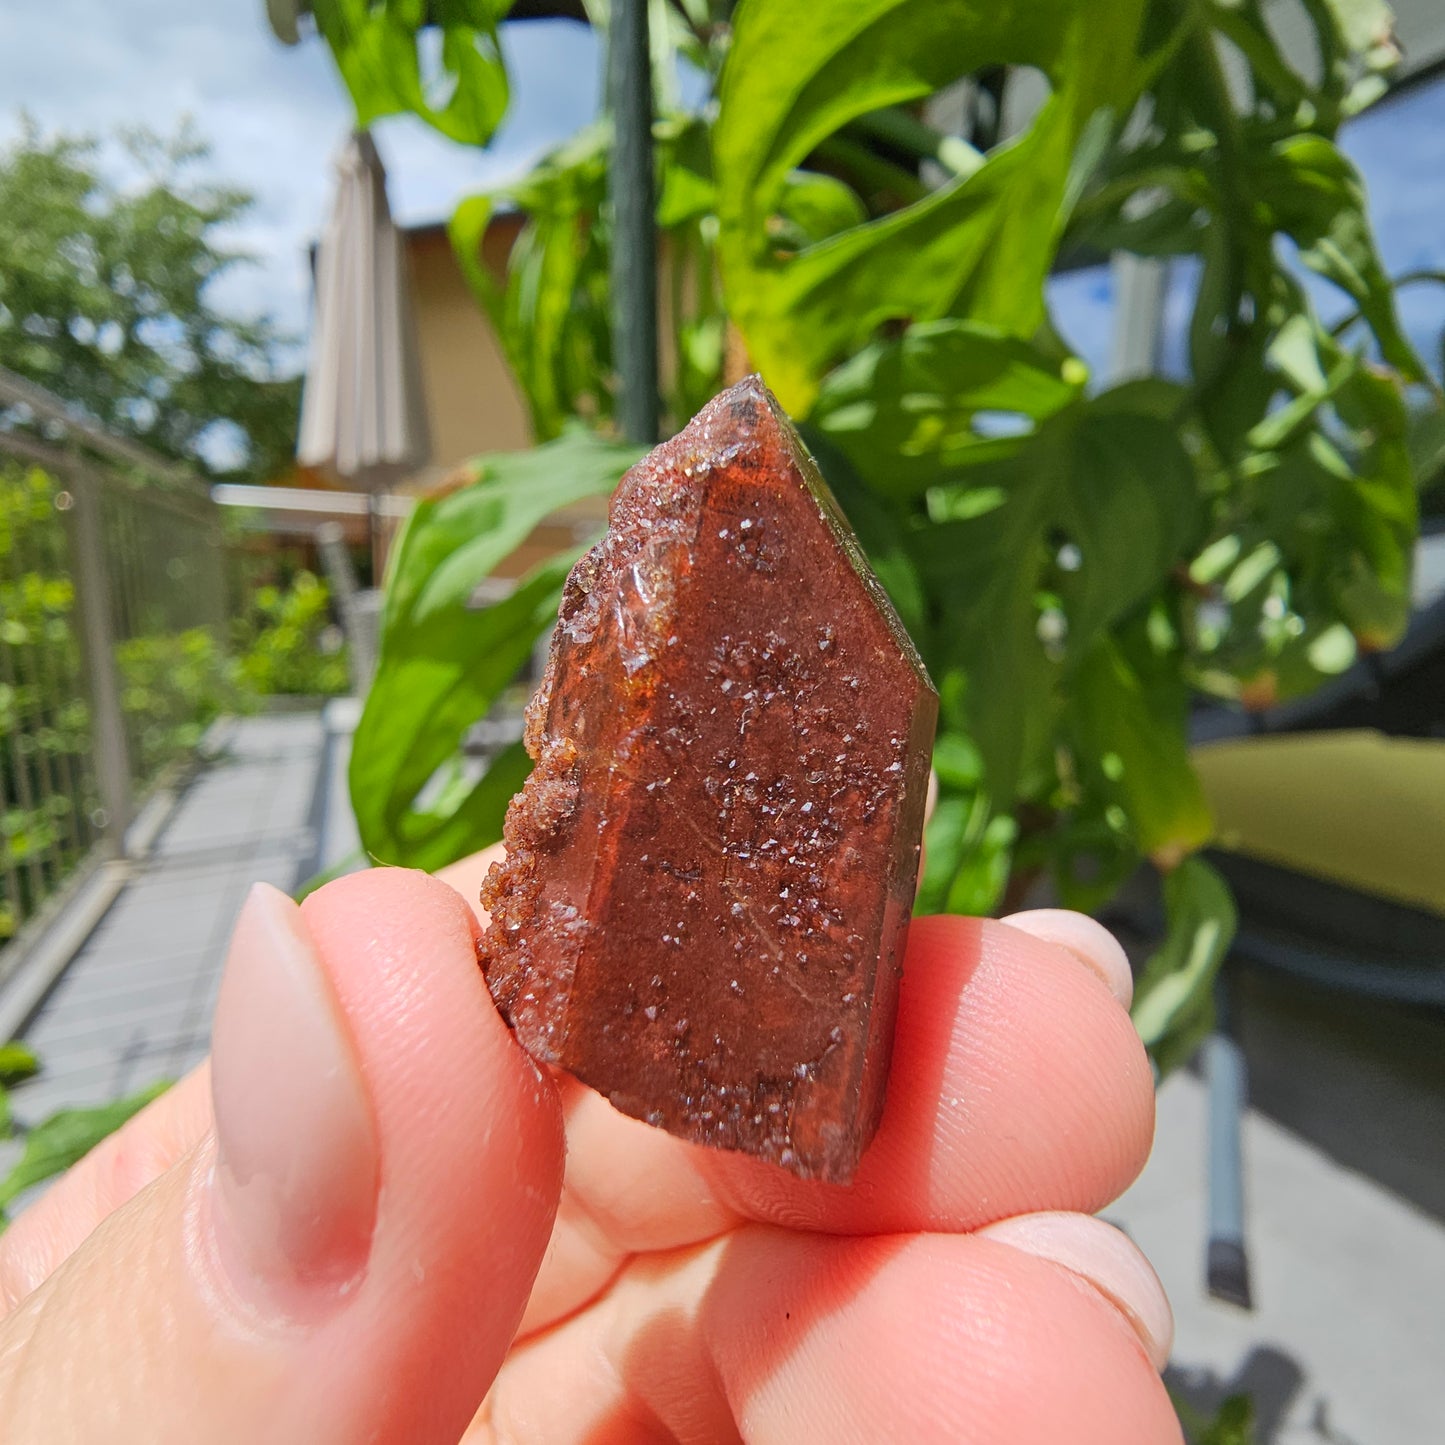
(634, 228)
(376, 537)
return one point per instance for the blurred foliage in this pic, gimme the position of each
(288, 644)
(463, 91)
(61, 1140)
(1078, 562)
(173, 684)
(1232, 1425)
(105, 299)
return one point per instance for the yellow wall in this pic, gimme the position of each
(472, 402)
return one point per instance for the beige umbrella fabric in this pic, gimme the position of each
(363, 408)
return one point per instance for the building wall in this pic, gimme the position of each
(472, 403)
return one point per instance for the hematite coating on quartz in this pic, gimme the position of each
(710, 871)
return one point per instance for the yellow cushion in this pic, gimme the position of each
(1356, 808)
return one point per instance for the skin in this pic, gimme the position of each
(534, 1267)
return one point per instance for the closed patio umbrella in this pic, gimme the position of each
(363, 409)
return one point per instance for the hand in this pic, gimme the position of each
(332, 1232)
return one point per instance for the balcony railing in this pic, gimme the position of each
(114, 602)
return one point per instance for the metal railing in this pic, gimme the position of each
(114, 599)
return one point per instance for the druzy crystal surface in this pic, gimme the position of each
(710, 871)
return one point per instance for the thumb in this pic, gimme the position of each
(347, 1252)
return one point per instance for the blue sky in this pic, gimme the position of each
(276, 116)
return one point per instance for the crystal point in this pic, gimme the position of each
(710, 871)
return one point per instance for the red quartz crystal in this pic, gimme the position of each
(710, 871)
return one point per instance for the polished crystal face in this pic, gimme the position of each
(710, 872)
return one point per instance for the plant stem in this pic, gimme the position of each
(905, 132)
(868, 172)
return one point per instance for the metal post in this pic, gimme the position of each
(97, 641)
(1140, 284)
(1226, 1079)
(634, 230)
(360, 616)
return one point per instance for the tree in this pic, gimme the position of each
(1078, 561)
(105, 299)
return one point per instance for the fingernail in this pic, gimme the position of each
(296, 1155)
(1091, 943)
(1108, 1259)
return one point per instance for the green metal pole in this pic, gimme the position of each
(634, 230)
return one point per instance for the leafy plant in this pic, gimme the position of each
(288, 643)
(1232, 1425)
(551, 311)
(66, 1137)
(52, 1146)
(463, 92)
(1079, 562)
(173, 685)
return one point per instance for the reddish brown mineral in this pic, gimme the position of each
(710, 871)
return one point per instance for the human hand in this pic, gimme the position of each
(331, 1234)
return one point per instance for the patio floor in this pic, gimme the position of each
(134, 1006)
(1344, 1157)
(1345, 1213)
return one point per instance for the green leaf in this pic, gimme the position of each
(1315, 196)
(378, 48)
(813, 207)
(1128, 502)
(1426, 441)
(1357, 49)
(967, 853)
(453, 541)
(1104, 482)
(910, 412)
(1270, 72)
(1173, 1008)
(1130, 728)
(1170, 227)
(1342, 501)
(686, 192)
(981, 575)
(443, 661)
(427, 693)
(349, 864)
(979, 247)
(467, 230)
(1233, 1425)
(57, 1143)
(17, 1063)
(552, 311)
